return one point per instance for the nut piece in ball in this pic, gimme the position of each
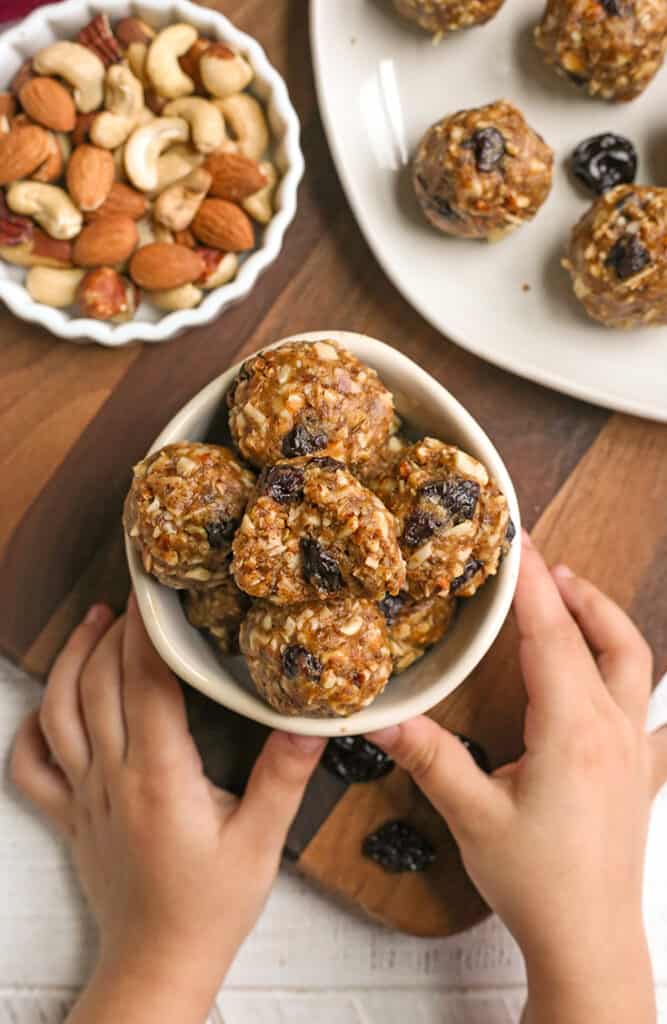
(617, 257)
(482, 173)
(303, 398)
(185, 502)
(313, 532)
(324, 659)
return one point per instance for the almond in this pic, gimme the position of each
(122, 201)
(22, 150)
(105, 242)
(48, 102)
(235, 176)
(163, 265)
(23, 75)
(222, 225)
(90, 174)
(7, 105)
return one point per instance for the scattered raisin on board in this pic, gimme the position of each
(397, 846)
(604, 161)
(477, 752)
(356, 759)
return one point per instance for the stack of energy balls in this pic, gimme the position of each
(342, 561)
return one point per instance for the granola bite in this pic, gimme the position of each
(481, 173)
(322, 659)
(414, 625)
(185, 502)
(617, 257)
(612, 48)
(453, 522)
(219, 612)
(312, 532)
(307, 397)
(442, 16)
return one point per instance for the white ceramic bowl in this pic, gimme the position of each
(63, 21)
(427, 408)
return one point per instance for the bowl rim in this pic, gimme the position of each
(251, 706)
(15, 295)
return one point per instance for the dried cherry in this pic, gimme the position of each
(458, 497)
(282, 483)
(419, 527)
(319, 567)
(628, 257)
(397, 846)
(604, 161)
(301, 441)
(356, 759)
(471, 567)
(220, 532)
(298, 661)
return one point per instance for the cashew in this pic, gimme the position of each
(260, 204)
(223, 72)
(187, 296)
(177, 205)
(136, 59)
(53, 287)
(162, 67)
(79, 66)
(175, 164)
(162, 233)
(145, 145)
(245, 118)
(50, 206)
(206, 122)
(224, 272)
(145, 232)
(124, 102)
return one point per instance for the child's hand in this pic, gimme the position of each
(176, 871)
(555, 842)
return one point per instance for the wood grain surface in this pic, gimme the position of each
(73, 419)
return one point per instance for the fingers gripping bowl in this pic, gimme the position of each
(426, 408)
(236, 90)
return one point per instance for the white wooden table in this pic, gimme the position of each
(308, 961)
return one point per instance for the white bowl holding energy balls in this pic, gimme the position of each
(425, 408)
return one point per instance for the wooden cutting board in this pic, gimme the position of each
(73, 419)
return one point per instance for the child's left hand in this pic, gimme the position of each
(176, 871)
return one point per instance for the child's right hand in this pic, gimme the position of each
(555, 842)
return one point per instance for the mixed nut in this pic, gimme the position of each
(132, 162)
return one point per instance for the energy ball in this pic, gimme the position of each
(312, 532)
(454, 523)
(617, 257)
(442, 16)
(482, 173)
(323, 659)
(218, 612)
(184, 505)
(612, 48)
(308, 397)
(415, 625)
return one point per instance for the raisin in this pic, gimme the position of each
(397, 847)
(488, 145)
(391, 607)
(604, 161)
(301, 441)
(319, 567)
(419, 527)
(282, 483)
(326, 463)
(471, 567)
(478, 753)
(628, 257)
(298, 661)
(443, 208)
(615, 8)
(575, 78)
(355, 759)
(510, 532)
(458, 496)
(220, 532)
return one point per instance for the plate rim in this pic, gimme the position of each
(524, 369)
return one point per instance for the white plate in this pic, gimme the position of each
(380, 86)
